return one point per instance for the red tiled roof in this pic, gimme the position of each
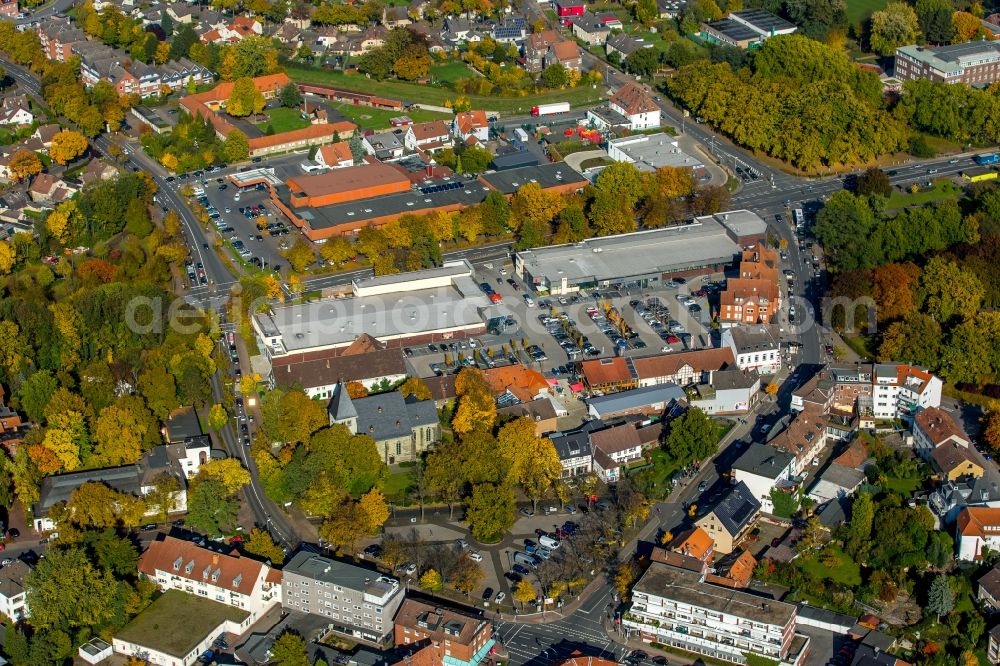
(603, 371)
(938, 425)
(162, 555)
(978, 521)
(616, 439)
(470, 120)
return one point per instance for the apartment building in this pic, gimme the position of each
(439, 636)
(973, 63)
(178, 564)
(763, 469)
(613, 448)
(899, 391)
(755, 347)
(358, 602)
(673, 606)
(754, 297)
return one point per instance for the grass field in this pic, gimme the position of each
(904, 487)
(438, 95)
(859, 10)
(397, 484)
(449, 72)
(377, 119)
(943, 189)
(283, 120)
(843, 570)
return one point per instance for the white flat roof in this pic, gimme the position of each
(337, 322)
(653, 151)
(743, 223)
(665, 250)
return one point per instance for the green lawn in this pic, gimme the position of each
(438, 95)
(449, 72)
(943, 189)
(844, 570)
(859, 10)
(904, 487)
(283, 120)
(377, 119)
(397, 484)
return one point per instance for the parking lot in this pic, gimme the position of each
(558, 331)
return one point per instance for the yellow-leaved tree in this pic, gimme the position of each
(67, 145)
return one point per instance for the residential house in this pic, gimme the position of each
(429, 137)
(732, 518)
(366, 361)
(16, 110)
(12, 428)
(623, 45)
(510, 30)
(237, 30)
(950, 497)
(565, 53)
(521, 383)
(575, 451)
(765, 469)
(836, 482)
(681, 368)
(436, 635)
(543, 412)
(675, 607)
(13, 595)
(732, 391)
(934, 427)
(594, 29)
(225, 577)
(177, 459)
(755, 347)
(803, 437)
(694, 542)
(335, 155)
(396, 17)
(993, 646)
(977, 527)
(47, 188)
(576, 658)
(733, 570)
(953, 462)
(356, 602)
(536, 46)
(637, 104)
(385, 146)
(651, 400)
(754, 297)
(988, 590)
(402, 428)
(98, 170)
(471, 124)
(614, 448)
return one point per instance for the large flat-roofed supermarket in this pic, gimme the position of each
(705, 245)
(437, 303)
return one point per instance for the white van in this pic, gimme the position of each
(309, 167)
(529, 301)
(549, 542)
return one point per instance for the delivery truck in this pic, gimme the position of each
(549, 109)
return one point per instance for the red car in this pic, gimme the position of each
(235, 540)
(672, 339)
(495, 298)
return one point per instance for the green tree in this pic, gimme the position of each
(290, 95)
(245, 99)
(785, 504)
(67, 591)
(491, 511)
(951, 292)
(210, 508)
(693, 436)
(935, 17)
(646, 11)
(860, 528)
(643, 62)
(554, 76)
(893, 26)
(940, 597)
(35, 393)
(289, 650)
(532, 461)
(874, 180)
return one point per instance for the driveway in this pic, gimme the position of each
(574, 160)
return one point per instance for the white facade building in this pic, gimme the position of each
(176, 564)
(674, 607)
(977, 527)
(763, 468)
(13, 598)
(755, 347)
(899, 391)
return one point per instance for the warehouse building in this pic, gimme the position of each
(644, 258)
(746, 29)
(649, 152)
(421, 306)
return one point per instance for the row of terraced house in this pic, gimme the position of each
(61, 40)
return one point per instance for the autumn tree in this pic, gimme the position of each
(260, 543)
(356, 390)
(229, 472)
(431, 581)
(991, 426)
(616, 193)
(8, 256)
(245, 99)
(67, 145)
(291, 416)
(97, 505)
(289, 650)
(372, 511)
(466, 575)
(892, 289)
(122, 432)
(491, 511)
(236, 147)
(413, 386)
(217, 417)
(532, 461)
(476, 406)
(24, 164)
(413, 64)
(68, 590)
(951, 291)
(965, 27)
(524, 592)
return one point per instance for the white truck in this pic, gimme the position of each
(521, 135)
(549, 109)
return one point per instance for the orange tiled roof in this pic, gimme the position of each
(694, 543)
(162, 555)
(470, 120)
(855, 455)
(978, 521)
(311, 132)
(335, 153)
(606, 371)
(522, 382)
(700, 360)
(938, 425)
